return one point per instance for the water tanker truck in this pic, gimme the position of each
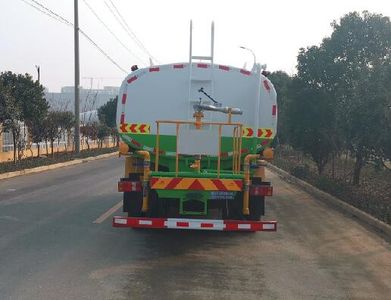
(196, 137)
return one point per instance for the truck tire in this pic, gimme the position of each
(133, 203)
(235, 207)
(156, 206)
(257, 205)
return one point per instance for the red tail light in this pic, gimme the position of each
(261, 190)
(129, 186)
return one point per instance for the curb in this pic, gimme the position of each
(56, 166)
(381, 227)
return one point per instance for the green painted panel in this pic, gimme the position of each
(168, 144)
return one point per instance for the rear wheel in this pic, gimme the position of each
(133, 202)
(156, 205)
(235, 207)
(256, 208)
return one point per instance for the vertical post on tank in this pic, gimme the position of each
(191, 41)
(190, 65)
(212, 47)
(176, 150)
(157, 146)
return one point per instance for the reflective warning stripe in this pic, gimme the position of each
(131, 79)
(266, 133)
(197, 224)
(135, 128)
(247, 132)
(203, 66)
(155, 69)
(203, 184)
(266, 85)
(222, 67)
(245, 72)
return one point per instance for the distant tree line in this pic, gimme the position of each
(340, 98)
(22, 101)
(106, 126)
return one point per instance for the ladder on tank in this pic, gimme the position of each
(201, 70)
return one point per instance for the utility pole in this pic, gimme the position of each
(39, 73)
(77, 78)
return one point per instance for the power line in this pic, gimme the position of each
(132, 33)
(102, 51)
(44, 12)
(116, 18)
(111, 32)
(52, 12)
(43, 9)
(120, 19)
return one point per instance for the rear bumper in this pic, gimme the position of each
(196, 224)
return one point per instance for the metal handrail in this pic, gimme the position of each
(236, 139)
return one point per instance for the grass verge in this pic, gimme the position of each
(60, 157)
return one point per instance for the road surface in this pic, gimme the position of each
(56, 242)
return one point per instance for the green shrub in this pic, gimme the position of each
(301, 171)
(330, 185)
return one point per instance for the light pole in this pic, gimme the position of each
(77, 78)
(252, 52)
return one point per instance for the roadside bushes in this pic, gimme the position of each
(373, 195)
(301, 171)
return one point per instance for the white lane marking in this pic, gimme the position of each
(108, 213)
(8, 218)
(11, 190)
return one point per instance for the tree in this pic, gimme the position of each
(10, 114)
(107, 113)
(282, 83)
(66, 121)
(379, 92)
(56, 124)
(309, 119)
(38, 133)
(26, 102)
(358, 52)
(107, 116)
(103, 131)
(90, 132)
(349, 69)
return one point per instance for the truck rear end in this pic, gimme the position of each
(196, 138)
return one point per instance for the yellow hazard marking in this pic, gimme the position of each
(266, 133)
(247, 132)
(135, 128)
(205, 184)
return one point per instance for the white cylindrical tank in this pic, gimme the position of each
(168, 92)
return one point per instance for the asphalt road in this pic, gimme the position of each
(50, 248)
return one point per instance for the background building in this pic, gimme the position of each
(90, 99)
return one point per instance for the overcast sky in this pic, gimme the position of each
(274, 30)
